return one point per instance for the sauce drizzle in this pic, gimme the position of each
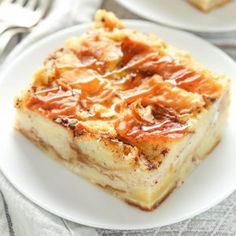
(145, 93)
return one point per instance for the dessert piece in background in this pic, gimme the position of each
(207, 5)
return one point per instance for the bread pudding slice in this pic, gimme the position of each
(208, 5)
(124, 110)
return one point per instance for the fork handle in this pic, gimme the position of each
(3, 27)
(6, 37)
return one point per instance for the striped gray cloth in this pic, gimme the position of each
(20, 217)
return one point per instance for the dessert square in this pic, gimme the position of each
(125, 110)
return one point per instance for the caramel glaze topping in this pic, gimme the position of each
(145, 94)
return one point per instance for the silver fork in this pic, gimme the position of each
(32, 11)
(22, 13)
(8, 35)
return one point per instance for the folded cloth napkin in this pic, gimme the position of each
(21, 217)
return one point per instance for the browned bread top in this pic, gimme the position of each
(122, 83)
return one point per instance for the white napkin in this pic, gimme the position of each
(19, 216)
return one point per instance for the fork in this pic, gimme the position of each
(8, 35)
(22, 13)
(28, 12)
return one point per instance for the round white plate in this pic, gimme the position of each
(180, 14)
(54, 188)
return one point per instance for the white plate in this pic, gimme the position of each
(59, 191)
(180, 14)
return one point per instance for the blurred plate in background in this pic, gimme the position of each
(181, 14)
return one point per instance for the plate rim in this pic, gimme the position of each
(206, 30)
(82, 27)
